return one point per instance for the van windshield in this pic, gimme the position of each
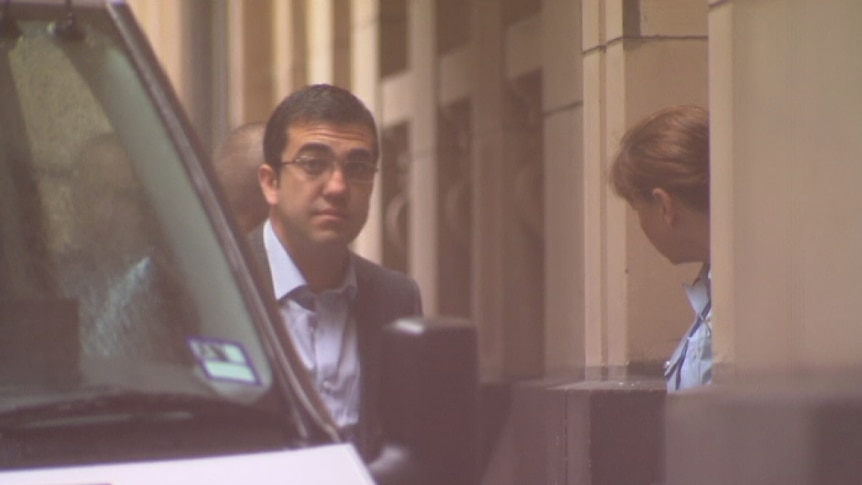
(114, 285)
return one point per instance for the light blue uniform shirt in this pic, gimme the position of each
(322, 328)
(690, 364)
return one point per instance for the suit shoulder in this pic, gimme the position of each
(379, 283)
(367, 268)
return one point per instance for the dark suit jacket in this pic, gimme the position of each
(383, 296)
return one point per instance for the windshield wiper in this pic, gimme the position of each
(128, 406)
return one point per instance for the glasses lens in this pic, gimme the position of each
(359, 171)
(352, 170)
(314, 166)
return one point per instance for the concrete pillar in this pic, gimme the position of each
(318, 18)
(454, 184)
(396, 111)
(488, 274)
(250, 64)
(290, 47)
(562, 106)
(365, 73)
(721, 182)
(422, 184)
(789, 175)
(639, 56)
(507, 250)
(409, 117)
(786, 407)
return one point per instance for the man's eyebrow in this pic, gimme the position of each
(323, 147)
(315, 147)
(360, 153)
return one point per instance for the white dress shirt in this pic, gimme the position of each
(322, 328)
(691, 363)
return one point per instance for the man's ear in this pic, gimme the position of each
(268, 178)
(667, 204)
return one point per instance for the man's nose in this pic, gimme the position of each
(336, 181)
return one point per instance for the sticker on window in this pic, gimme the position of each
(223, 360)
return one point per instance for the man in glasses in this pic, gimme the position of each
(321, 152)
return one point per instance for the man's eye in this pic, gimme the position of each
(359, 170)
(314, 166)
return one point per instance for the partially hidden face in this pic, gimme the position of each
(320, 208)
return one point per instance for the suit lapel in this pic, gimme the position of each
(263, 272)
(369, 350)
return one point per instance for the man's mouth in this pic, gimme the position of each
(331, 213)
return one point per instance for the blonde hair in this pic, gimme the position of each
(668, 150)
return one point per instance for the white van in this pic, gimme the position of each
(135, 346)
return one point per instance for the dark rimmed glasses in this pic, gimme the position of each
(354, 171)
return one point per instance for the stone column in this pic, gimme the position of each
(788, 169)
(562, 106)
(454, 184)
(786, 150)
(396, 113)
(507, 198)
(319, 20)
(423, 224)
(365, 75)
(290, 47)
(250, 64)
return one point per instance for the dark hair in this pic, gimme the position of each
(315, 103)
(668, 150)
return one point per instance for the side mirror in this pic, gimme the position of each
(430, 395)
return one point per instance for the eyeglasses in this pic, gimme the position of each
(356, 171)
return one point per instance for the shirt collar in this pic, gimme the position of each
(698, 292)
(286, 277)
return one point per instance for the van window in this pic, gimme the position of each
(118, 302)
